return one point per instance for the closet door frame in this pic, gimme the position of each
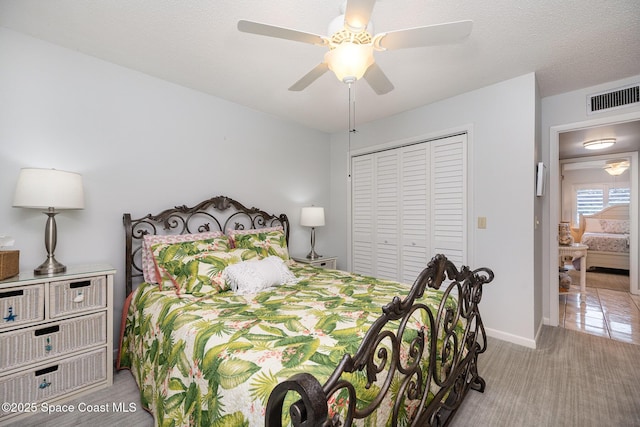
(467, 160)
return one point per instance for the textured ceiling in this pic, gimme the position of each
(569, 44)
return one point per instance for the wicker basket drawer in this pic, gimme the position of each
(19, 306)
(31, 345)
(76, 296)
(50, 381)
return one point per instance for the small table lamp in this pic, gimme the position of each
(312, 217)
(49, 189)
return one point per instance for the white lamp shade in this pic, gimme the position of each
(48, 188)
(312, 216)
(349, 61)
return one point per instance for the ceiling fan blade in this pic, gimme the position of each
(280, 32)
(430, 35)
(310, 77)
(358, 13)
(378, 80)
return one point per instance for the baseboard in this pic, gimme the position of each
(539, 331)
(515, 339)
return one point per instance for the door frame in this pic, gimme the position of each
(555, 204)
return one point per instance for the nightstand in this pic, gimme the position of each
(56, 337)
(322, 262)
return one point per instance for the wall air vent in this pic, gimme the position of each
(605, 101)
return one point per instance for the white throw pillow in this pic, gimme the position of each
(592, 225)
(250, 277)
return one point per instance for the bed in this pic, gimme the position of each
(323, 347)
(606, 233)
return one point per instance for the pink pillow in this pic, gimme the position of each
(149, 271)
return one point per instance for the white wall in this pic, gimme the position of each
(562, 113)
(142, 145)
(502, 123)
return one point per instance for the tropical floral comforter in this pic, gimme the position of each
(213, 361)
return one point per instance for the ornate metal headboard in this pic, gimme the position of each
(218, 213)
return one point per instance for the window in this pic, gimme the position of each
(592, 198)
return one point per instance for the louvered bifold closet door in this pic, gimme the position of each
(408, 204)
(386, 220)
(362, 181)
(448, 198)
(414, 193)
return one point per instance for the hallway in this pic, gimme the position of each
(609, 310)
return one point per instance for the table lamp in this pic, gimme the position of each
(49, 189)
(313, 217)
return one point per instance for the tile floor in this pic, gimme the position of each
(607, 313)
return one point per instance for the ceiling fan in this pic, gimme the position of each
(351, 44)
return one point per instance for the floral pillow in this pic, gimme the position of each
(148, 266)
(192, 271)
(263, 241)
(615, 226)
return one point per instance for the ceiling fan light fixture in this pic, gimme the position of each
(616, 167)
(349, 61)
(599, 144)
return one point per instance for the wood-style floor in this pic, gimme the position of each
(609, 311)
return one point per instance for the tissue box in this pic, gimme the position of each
(9, 264)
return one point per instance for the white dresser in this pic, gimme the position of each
(56, 337)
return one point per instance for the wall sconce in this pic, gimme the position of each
(49, 189)
(312, 217)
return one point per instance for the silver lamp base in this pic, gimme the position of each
(313, 254)
(50, 266)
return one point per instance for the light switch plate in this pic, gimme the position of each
(482, 222)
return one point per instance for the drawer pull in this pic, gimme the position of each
(82, 284)
(323, 264)
(46, 331)
(46, 370)
(11, 317)
(11, 294)
(45, 383)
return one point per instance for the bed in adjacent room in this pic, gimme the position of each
(607, 234)
(225, 329)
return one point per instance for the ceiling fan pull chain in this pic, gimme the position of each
(352, 108)
(351, 126)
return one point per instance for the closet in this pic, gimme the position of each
(407, 204)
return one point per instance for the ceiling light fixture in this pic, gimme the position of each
(349, 61)
(599, 144)
(616, 167)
